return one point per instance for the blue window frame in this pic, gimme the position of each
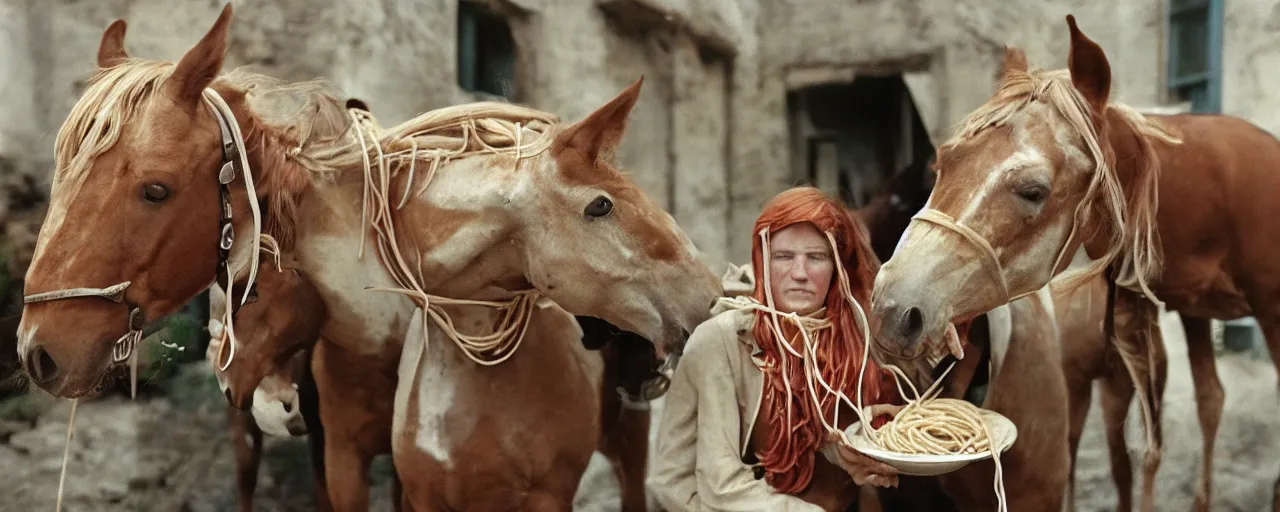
(1195, 53)
(486, 52)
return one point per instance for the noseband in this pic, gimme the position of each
(124, 347)
(937, 218)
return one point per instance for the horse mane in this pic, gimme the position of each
(112, 98)
(1135, 243)
(303, 134)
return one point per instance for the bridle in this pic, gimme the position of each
(234, 163)
(937, 218)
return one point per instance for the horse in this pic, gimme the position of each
(282, 321)
(1053, 165)
(450, 202)
(1087, 356)
(1013, 352)
(271, 388)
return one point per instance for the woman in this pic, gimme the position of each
(742, 428)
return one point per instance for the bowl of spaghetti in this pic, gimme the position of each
(935, 437)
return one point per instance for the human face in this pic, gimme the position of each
(800, 268)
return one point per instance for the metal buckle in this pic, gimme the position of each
(227, 173)
(228, 236)
(135, 319)
(124, 347)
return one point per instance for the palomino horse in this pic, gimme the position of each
(452, 201)
(1074, 169)
(272, 377)
(1087, 356)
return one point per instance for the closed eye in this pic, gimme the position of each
(1034, 193)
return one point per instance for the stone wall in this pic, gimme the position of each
(709, 138)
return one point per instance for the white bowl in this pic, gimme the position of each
(1004, 431)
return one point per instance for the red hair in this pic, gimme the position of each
(789, 457)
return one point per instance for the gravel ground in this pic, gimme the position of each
(171, 451)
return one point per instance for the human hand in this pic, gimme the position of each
(863, 469)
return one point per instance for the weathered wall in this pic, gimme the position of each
(709, 137)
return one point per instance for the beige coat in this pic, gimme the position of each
(706, 425)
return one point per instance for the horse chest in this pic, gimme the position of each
(1202, 287)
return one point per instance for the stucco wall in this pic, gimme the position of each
(708, 139)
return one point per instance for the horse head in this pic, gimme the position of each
(1027, 181)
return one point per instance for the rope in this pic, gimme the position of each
(66, 454)
(476, 138)
(926, 425)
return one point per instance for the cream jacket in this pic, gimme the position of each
(706, 425)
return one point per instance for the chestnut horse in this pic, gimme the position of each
(1087, 356)
(1016, 347)
(272, 377)
(1050, 164)
(284, 319)
(452, 201)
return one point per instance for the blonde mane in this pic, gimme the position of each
(303, 134)
(112, 98)
(1135, 245)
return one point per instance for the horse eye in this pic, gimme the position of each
(600, 207)
(1033, 193)
(155, 192)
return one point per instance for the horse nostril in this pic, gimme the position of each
(912, 323)
(288, 407)
(227, 393)
(43, 367)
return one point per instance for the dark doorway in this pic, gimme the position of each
(849, 139)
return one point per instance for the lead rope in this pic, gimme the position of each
(66, 453)
(808, 328)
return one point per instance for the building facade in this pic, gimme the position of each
(741, 97)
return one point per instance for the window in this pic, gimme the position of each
(1195, 53)
(486, 51)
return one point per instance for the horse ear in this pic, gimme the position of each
(601, 131)
(111, 49)
(1015, 61)
(201, 64)
(1090, 72)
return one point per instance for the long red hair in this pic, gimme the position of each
(789, 457)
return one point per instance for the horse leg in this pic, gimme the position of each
(248, 442)
(1209, 399)
(1270, 326)
(309, 402)
(1159, 368)
(1079, 395)
(1117, 395)
(341, 411)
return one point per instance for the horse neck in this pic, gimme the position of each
(1124, 147)
(454, 237)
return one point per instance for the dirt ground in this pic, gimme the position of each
(1246, 461)
(171, 451)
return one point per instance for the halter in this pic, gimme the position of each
(233, 163)
(937, 218)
